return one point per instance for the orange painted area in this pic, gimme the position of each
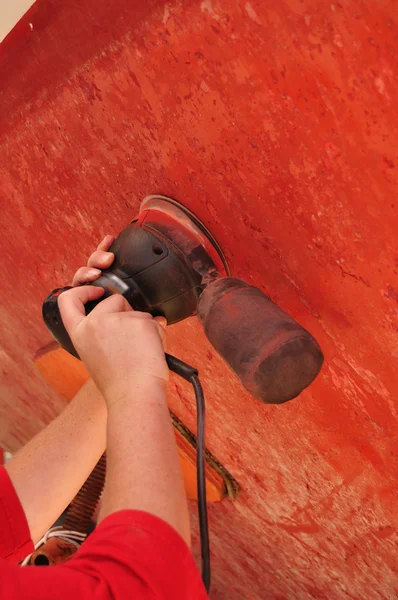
(66, 375)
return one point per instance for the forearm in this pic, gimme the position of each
(48, 472)
(143, 468)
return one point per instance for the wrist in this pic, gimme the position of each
(136, 390)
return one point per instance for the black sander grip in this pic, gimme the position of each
(273, 356)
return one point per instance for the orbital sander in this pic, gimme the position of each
(167, 263)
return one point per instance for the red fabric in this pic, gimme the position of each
(132, 554)
(15, 542)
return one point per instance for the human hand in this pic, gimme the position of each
(100, 259)
(121, 348)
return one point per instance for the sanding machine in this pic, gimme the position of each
(167, 263)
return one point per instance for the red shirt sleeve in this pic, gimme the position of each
(15, 542)
(132, 554)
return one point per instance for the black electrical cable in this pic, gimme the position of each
(190, 374)
(201, 480)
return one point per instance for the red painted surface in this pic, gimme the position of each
(276, 122)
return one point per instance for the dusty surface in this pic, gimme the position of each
(276, 122)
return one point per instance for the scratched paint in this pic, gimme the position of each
(276, 123)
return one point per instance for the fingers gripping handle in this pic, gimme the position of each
(273, 356)
(53, 320)
(111, 282)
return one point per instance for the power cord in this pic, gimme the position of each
(190, 374)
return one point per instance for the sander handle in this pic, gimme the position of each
(112, 282)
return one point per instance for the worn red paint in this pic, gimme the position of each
(276, 123)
